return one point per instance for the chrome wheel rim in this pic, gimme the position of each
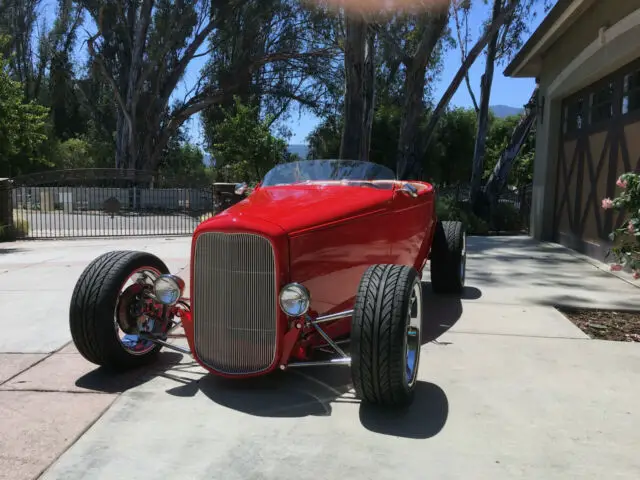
(132, 343)
(413, 337)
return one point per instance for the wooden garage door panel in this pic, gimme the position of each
(566, 182)
(594, 186)
(632, 143)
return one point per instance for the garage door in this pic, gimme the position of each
(600, 140)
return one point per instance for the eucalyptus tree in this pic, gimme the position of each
(143, 49)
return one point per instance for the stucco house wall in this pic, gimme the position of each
(581, 43)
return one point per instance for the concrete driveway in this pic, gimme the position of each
(509, 388)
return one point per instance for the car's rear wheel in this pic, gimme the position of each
(105, 314)
(448, 258)
(386, 335)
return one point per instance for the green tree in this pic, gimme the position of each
(22, 128)
(72, 153)
(246, 149)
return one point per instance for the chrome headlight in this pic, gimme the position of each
(168, 289)
(295, 299)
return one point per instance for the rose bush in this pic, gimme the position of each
(626, 238)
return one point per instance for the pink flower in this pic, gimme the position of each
(636, 275)
(630, 228)
(621, 183)
(607, 203)
(616, 267)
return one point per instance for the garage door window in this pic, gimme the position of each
(601, 104)
(631, 93)
(573, 116)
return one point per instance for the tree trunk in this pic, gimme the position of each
(409, 150)
(498, 179)
(462, 71)
(369, 94)
(486, 83)
(354, 104)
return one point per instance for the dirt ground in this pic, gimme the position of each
(607, 325)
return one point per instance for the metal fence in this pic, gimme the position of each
(517, 198)
(112, 202)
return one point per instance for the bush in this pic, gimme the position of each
(626, 237)
(19, 229)
(506, 218)
(447, 208)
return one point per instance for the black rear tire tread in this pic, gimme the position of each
(447, 257)
(91, 311)
(378, 333)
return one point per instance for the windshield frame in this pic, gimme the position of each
(318, 168)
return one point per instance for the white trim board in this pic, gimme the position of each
(606, 37)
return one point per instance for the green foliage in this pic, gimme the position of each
(73, 153)
(498, 136)
(506, 218)
(22, 128)
(245, 149)
(183, 159)
(447, 208)
(626, 237)
(448, 160)
(18, 230)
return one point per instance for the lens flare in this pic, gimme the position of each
(374, 6)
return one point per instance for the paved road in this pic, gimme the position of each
(511, 390)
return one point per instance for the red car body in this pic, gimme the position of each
(324, 236)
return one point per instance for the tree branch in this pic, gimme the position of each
(466, 65)
(463, 52)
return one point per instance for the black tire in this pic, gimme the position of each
(378, 335)
(91, 312)
(448, 258)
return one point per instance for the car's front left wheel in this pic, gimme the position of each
(386, 335)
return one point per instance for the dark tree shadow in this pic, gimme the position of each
(107, 381)
(8, 250)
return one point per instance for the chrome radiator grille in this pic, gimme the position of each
(235, 302)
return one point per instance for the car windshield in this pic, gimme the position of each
(308, 171)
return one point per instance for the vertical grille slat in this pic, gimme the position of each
(235, 302)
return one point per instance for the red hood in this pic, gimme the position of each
(296, 208)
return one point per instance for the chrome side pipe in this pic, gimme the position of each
(332, 317)
(322, 363)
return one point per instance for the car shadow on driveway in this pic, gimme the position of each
(441, 312)
(107, 381)
(315, 392)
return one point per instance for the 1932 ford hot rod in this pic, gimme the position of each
(322, 253)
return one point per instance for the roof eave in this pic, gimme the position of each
(527, 62)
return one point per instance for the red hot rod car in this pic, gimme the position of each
(321, 254)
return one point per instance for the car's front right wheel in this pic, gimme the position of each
(386, 335)
(106, 310)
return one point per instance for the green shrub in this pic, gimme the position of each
(447, 208)
(506, 218)
(19, 229)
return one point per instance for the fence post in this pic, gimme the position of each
(6, 209)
